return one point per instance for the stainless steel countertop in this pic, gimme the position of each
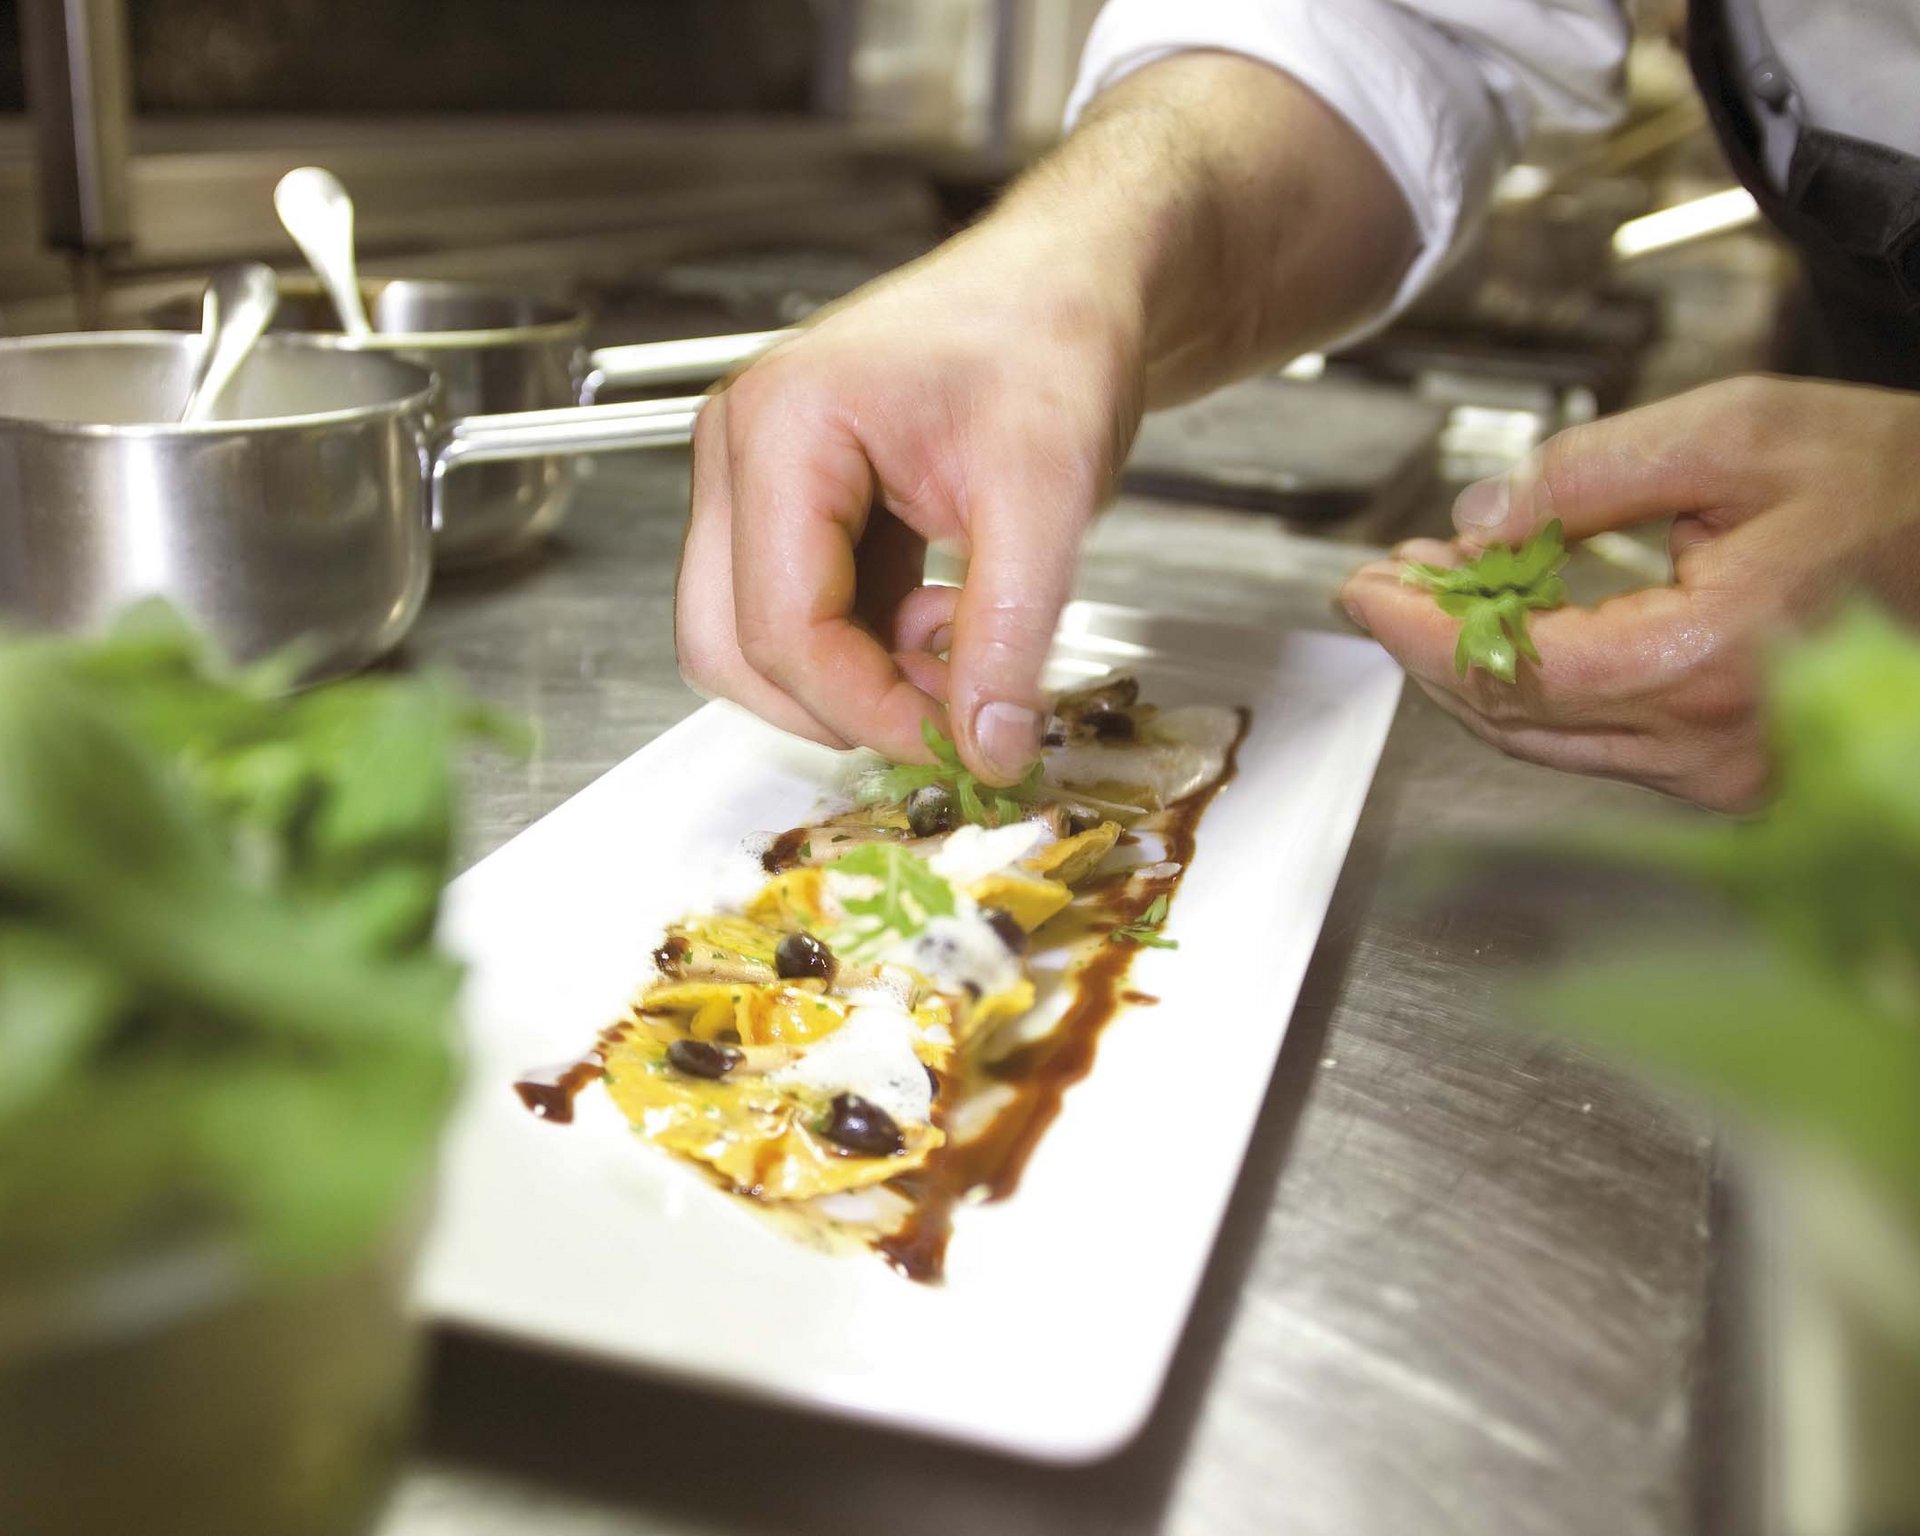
(1462, 1283)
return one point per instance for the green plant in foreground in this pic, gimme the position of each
(1808, 1026)
(220, 1005)
(1491, 596)
(982, 804)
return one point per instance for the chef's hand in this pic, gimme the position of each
(1785, 495)
(1208, 216)
(984, 397)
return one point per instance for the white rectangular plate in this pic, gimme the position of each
(1056, 1322)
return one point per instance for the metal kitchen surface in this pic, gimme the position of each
(1462, 1283)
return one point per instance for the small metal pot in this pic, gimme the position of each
(497, 350)
(305, 513)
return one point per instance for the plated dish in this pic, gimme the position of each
(884, 1026)
(1060, 1308)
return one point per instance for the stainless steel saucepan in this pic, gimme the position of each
(497, 350)
(302, 512)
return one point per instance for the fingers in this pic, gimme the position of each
(923, 620)
(922, 631)
(1699, 454)
(1657, 687)
(703, 613)
(802, 491)
(1429, 552)
(1604, 753)
(1604, 667)
(1026, 545)
(891, 564)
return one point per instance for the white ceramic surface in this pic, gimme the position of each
(1061, 1306)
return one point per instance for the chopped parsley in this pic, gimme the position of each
(1145, 929)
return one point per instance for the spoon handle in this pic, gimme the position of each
(316, 210)
(237, 310)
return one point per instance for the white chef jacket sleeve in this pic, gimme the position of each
(1446, 92)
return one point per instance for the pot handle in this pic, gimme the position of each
(567, 430)
(660, 364)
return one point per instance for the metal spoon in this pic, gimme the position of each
(237, 309)
(317, 212)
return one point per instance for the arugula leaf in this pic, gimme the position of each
(1145, 929)
(909, 894)
(1491, 596)
(984, 805)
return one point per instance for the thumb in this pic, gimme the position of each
(1675, 458)
(1018, 579)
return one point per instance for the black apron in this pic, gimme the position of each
(1851, 208)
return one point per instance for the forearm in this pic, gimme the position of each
(1240, 218)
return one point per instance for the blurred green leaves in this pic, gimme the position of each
(1808, 1027)
(219, 999)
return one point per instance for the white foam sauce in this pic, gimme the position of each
(871, 1055)
(959, 952)
(972, 853)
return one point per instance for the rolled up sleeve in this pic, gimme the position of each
(1445, 92)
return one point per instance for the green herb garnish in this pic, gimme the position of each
(982, 804)
(1145, 929)
(909, 894)
(1491, 596)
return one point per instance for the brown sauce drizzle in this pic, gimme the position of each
(1039, 1074)
(550, 1093)
(1138, 999)
(783, 853)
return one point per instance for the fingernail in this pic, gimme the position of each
(1009, 737)
(1482, 507)
(940, 641)
(1354, 616)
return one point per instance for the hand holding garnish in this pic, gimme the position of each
(1784, 495)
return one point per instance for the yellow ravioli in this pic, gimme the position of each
(792, 900)
(758, 1137)
(783, 1013)
(1072, 859)
(1031, 899)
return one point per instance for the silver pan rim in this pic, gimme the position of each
(563, 324)
(568, 323)
(419, 395)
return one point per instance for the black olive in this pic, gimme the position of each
(930, 810)
(1004, 923)
(1054, 738)
(862, 1128)
(702, 1058)
(801, 955)
(1082, 818)
(933, 1078)
(1109, 724)
(672, 955)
